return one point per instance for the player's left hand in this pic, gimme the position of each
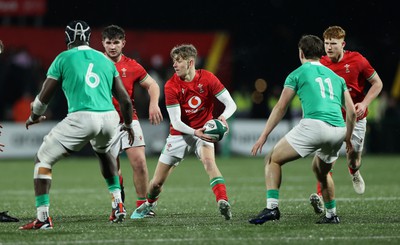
(223, 120)
(155, 115)
(349, 147)
(360, 109)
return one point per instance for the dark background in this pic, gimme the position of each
(264, 33)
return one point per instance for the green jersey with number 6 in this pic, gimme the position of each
(87, 78)
(320, 91)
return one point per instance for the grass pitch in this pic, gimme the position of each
(187, 212)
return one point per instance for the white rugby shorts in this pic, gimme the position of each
(358, 136)
(76, 130)
(178, 146)
(120, 141)
(311, 135)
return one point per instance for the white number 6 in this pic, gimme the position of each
(93, 76)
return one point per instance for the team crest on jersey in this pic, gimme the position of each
(347, 68)
(200, 86)
(123, 72)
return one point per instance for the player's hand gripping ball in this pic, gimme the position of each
(215, 129)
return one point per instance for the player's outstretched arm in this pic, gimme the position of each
(276, 116)
(39, 105)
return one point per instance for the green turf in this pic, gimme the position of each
(187, 212)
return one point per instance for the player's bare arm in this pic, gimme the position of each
(350, 120)
(119, 92)
(276, 116)
(155, 115)
(373, 92)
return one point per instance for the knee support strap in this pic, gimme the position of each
(42, 171)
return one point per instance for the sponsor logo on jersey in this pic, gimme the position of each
(194, 102)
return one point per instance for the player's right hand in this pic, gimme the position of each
(33, 119)
(200, 133)
(131, 134)
(257, 148)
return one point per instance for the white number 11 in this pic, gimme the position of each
(322, 87)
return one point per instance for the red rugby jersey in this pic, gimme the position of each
(131, 72)
(195, 98)
(356, 70)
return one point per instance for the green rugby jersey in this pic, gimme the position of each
(87, 78)
(320, 91)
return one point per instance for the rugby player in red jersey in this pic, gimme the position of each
(357, 72)
(189, 97)
(131, 73)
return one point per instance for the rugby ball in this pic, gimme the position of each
(215, 129)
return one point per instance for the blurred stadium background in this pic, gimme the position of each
(250, 45)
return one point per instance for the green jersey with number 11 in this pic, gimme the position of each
(320, 91)
(87, 78)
